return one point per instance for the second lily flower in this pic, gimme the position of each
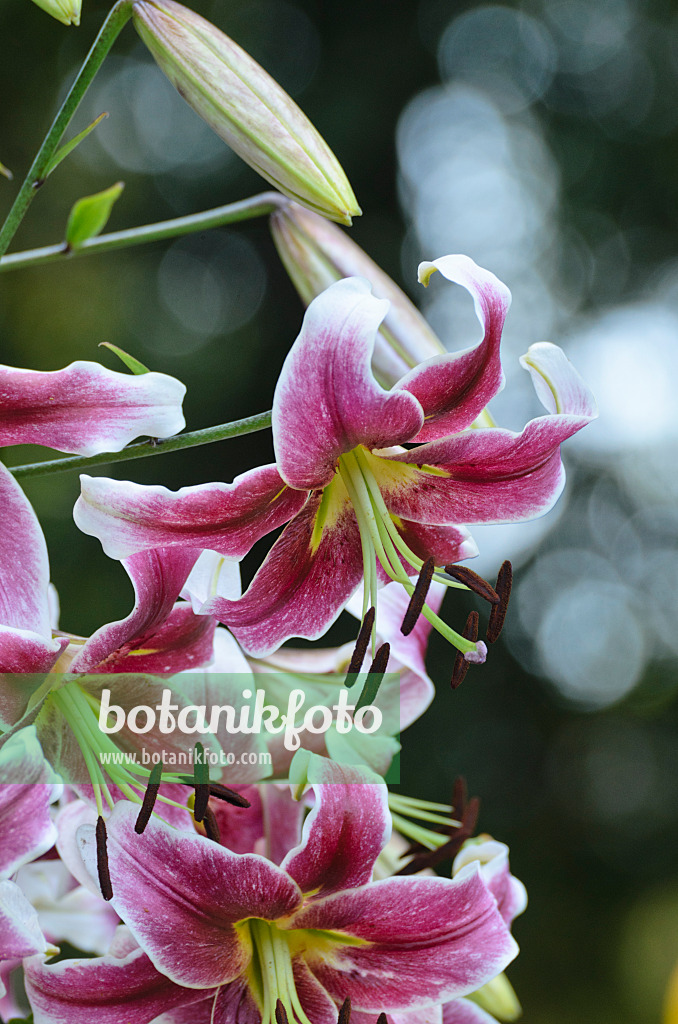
(357, 504)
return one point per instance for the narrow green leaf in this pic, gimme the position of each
(90, 215)
(130, 362)
(68, 147)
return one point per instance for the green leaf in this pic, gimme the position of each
(68, 147)
(90, 215)
(130, 362)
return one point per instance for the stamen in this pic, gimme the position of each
(461, 663)
(449, 850)
(498, 613)
(381, 1019)
(374, 677)
(280, 1013)
(102, 860)
(202, 783)
(418, 598)
(209, 823)
(473, 581)
(150, 797)
(229, 795)
(361, 646)
(345, 1011)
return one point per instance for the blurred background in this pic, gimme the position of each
(541, 139)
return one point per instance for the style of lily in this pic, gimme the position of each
(26, 832)
(235, 936)
(359, 504)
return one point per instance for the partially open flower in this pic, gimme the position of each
(65, 11)
(246, 107)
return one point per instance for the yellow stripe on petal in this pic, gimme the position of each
(332, 506)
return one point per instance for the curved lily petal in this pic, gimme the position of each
(493, 857)
(303, 583)
(207, 891)
(427, 940)
(86, 408)
(496, 475)
(26, 828)
(454, 389)
(105, 989)
(327, 394)
(422, 1015)
(26, 643)
(345, 832)
(158, 577)
(228, 518)
(463, 1011)
(20, 932)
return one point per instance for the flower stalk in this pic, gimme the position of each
(117, 18)
(191, 439)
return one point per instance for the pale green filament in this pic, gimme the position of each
(382, 542)
(405, 808)
(272, 976)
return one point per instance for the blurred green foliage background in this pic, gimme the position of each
(542, 140)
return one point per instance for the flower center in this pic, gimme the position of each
(382, 543)
(271, 975)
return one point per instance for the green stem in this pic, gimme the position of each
(139, 451)
(256, 206)
(118, 16)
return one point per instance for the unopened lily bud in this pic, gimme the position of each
(245, 106)
(499, 998)
(65, 11)
(316, 254)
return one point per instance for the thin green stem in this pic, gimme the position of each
(117, 18)
(255, 206)
(145, 448)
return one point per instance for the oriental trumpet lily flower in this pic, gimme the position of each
(236, 933)
(358, 503)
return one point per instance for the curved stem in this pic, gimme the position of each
(255, 206)
(118, 16)
(139, 451)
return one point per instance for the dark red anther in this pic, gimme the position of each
(209, 823)
(345, 1011)
(498, 613)
(374, 677)
(150, 797)
(229, 795)
(381, 1019)
(102, 860)
(474, 582)
(280, 1013)
(360, 649)
(461, 666)
(418, 598)
(202, 795)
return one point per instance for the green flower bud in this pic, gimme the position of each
(316, 254)
(498, 998)
(245, 106)
(65, 11)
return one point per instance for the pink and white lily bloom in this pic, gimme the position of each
(236, 932)
(360, 505)
(84, 409)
